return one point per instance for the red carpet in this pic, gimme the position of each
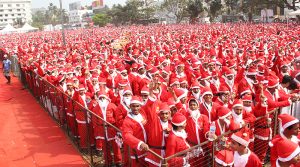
(28, 136)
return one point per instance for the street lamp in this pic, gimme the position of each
(62, 23)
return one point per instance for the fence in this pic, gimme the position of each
(95, 138)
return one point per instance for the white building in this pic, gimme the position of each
(12, 10)
(77, 16)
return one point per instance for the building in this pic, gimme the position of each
(12, 11)
(78, 16)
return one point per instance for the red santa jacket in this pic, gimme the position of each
(221, 130)
(262, 130)
(212, 113)
(276, 100)
(251, 158)
(156, 133)
(196, 129)
(134, 134)
(101, 130)
(120, 114)
(174, 145)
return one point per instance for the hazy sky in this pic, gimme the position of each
(45, 3)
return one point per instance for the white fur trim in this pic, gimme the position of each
(139, 145)
(262, 137)
(240, 140)
(180, 124)
(182, 96)
(246, 91)
(274, 85)
(136, 102)
(296, 152)
(207, 93)
(289, 124)
(237, 105)
(251, 73)
(152, 162)
(146, 92)
(220, 162)
(224, 116)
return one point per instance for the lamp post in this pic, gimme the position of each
(62, 23)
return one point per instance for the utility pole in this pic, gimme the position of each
(62, 23)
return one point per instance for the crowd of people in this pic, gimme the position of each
(171, 87)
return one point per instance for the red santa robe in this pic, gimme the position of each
(276, 100)
(246, 160)
(196, 128)
(70, 114)
(176, 143)
(105, 133)
(134, 134)
(121, 113)
(82, 118)
(157, 132)
(209, 110)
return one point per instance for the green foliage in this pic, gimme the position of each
(215, 7)
(101, 19)
(51, 16)
(195, 7)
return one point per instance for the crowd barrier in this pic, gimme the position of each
(95, 138)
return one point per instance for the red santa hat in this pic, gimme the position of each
(174, 81)
(206, 91)
(223, 89)
(244, 89)
(242, 137)
(286, 149)
(102, 93)
(251, 71)
(178, 119)
(223, 112)
(123, 82)
(171, 102)
(164, 107)
(145, 90)
(101, 80)
(69, 82)
(224, 158)
(195, 85)
(273, 81)
(136, 100)
(237, 103)
(81, 87)
(247, 98)
(127, 89)
(286, 120)
(180, 93)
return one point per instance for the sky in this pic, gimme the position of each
(45, 3)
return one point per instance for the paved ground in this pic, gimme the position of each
(28, 136)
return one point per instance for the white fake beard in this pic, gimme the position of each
(215, 82)
(96, 87)
(181, 133)
(196, 95)
(237, 118)
(248, 109)
(114, 74)
(125, 77)
(194, 113)
(229, 82)
(207, 83)
(127, 100)
(103, 103)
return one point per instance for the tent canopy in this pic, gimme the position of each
(26, 28)
(8, 28)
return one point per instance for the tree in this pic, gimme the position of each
(231, 5)
(215, 7)
(100, 19)
(195, 7)
(177, 7)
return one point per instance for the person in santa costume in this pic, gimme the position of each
(239, 115)
(223, 96)
(288, 129)
(104, 134)
(70, 114)
(177, 141)
(225, 122)
(288, 153)
(158, 127)
(208, 107)
(82, 116)
(224, 158)
(195, 91)
(134, 133)
(197, 126)
(123, 107)
(243, 157)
